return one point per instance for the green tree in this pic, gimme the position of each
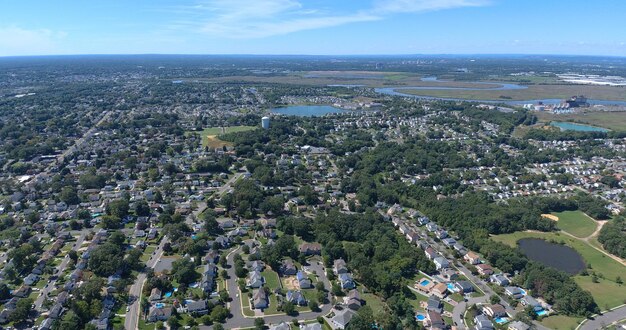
(22, 310)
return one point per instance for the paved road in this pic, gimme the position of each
(60, 268)
(240, 321)
(604, 320)
(132, 316)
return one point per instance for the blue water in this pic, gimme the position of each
(307, 110)
(501, 320)
(420, 317)
(167, 294)
(564, 126)
(424, 282)
(451, 287)
(159, 305)
(523, 292)
(397, 91)
(541, 313)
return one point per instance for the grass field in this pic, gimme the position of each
(271, 279)
(530, 93)
(561, 322)
(374, 302)
(210, 135)
(612, 120)
(607, 293)
(576, 223)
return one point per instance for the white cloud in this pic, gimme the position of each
(18, 41)
(416, 6)
(263, 18)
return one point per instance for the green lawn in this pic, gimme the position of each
(607, 293)
(271, 279)
(561, 322)
(576, 223)
(210, 135)
(374, 302)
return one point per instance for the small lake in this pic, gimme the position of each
(565, 126)
(307, 110)
(557, 256)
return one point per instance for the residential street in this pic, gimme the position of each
(51, 283)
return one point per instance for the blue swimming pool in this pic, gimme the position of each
(424, 282)
(159, 305)
(167, 294)
(501, 320)
(451, 287)
(420, 317)
(542, 313)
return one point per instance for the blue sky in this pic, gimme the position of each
(332, 27)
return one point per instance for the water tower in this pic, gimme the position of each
(265, 122)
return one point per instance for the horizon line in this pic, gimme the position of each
(320, 55)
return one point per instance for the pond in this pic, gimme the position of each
(307, 110)
(565, 126)
(553, 255)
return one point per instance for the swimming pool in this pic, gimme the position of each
(424, 282)
(501, 320)
(542, 312)
(420, 317)
(159, 305)
(167, 294)
(523, 291)
(452, 288)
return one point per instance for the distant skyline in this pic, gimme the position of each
(313, 27)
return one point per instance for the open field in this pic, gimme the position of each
(561, 322)
(210, 135)
(607, 293)
(612, 120)
(530, 93)
(576, 223)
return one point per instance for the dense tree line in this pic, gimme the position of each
(613, 237)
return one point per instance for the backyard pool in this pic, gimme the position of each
(452, 288)
(167, 294)
(424, 282)
(159, 305)
(501, 320)
(420, 317)
(542, 313)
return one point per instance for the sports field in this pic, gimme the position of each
(210, 136)
(576, 223)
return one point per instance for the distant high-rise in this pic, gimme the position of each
(265, 122)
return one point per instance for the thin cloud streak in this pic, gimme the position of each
(250, 19)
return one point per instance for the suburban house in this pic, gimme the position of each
(441, 263)
(435, 321)
(197, 307)
(159, 314)
(288, 268)
(155, 294)
(303, 281)
(310, 249)
(434, 304)
(296, 297)
(530, 301)
(353, 300)
(464, 286)
(440, 290)
(259, 299)
(255, 280)
(339, 267)
(472, 258)
(494, 311)
(482, 322)
(342, 318)
(346, 281)
(499, 279)
(484, 269)
(514, 292)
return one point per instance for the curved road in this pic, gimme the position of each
(240, 321)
